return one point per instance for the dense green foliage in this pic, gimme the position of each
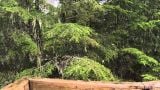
(69, 38)
(47, 70)
(120, 38)
(132, 62)
(79, 11)
(140, 56)
(87, 69)
(7, 77)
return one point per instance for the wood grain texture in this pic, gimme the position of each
(59, 84)
(18, 85)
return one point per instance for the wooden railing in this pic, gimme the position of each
(57, 84)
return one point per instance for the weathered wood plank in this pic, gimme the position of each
(18, 85)
(58, 84)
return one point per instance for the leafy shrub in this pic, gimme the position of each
(25, 43)
(133, 62)
(6, 78)
(9, 76)
(36, 72)
(18, 52)
(149, 77)
(140, 57)
(87, 69)
(154, 74)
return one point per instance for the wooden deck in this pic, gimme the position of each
(58, 84)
